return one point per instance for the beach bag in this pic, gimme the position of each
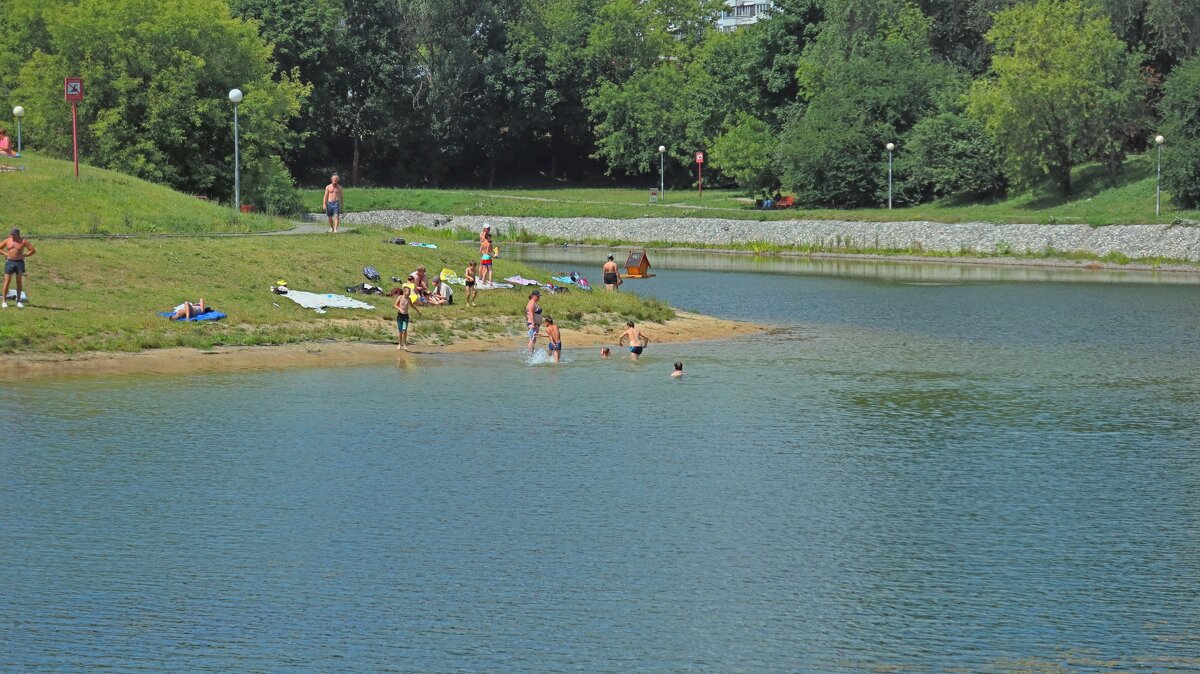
(371, 274)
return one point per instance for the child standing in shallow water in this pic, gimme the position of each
(403, 305)
(554, 337)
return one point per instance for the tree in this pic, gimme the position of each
(156, 77)
(1181, 127)
(859, 91)
(632, 120)
(1062, 87)
(949, 154)
(306, 37)
(746, 153)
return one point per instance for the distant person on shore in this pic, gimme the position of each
(612, 278)
(189, 310)
(403, 305)
(554, 339)
(678, 370)
(469, 281)
(15, 249)
(635, 338)
(533, 317)
(6, 148)
(332, 203)
(485, 254)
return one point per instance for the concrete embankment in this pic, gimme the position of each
(1134, 241)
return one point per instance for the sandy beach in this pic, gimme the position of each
(685, 327)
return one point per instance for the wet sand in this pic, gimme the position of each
(685, 327)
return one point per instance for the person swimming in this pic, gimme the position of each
(604, 353)
(678, 370)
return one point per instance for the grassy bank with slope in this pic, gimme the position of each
(102, 295)
(45, 199)
(1095, 202)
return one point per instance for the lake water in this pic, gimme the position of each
(924, 468)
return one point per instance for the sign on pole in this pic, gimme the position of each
(73, 93)
(700, 173)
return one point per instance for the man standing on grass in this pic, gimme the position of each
(612, 278)
(332, 203)
(15, 250)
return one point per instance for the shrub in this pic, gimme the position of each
(1181, 127)
(949, 154)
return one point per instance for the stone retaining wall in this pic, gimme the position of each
(1134, 241)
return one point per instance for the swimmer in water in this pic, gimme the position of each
(636, 339)
(678, 370)
(605, 352)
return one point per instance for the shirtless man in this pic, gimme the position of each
(485, 254)
(637, 341)
(332, 203)
(554, 339)
(422, 283)
(612, 278)
(533, 317)
(15, 250)
(469, 279)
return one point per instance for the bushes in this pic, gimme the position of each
(745, 152)
(274, 191)
(949, 154)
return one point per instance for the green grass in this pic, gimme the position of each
(45, 199)
(102, 295)
(1095, 202)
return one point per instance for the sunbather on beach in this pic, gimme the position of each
(189, 310)
(6, 148)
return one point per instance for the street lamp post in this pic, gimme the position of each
(236, 97)
(1158, 140)
(891, 147)
(662, 192)
(18, 112)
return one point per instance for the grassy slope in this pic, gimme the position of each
(103, 294)
(46, 199)
(1094, 202)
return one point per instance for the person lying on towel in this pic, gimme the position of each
(188, 310)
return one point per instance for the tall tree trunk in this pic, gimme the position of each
(354, 164)
(553, 164)
(492, 174)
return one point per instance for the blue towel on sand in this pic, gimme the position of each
(209, 315)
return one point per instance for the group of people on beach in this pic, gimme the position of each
(413, 293)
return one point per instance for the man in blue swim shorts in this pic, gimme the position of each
(15, 249)
(636, 339)
(332, 203)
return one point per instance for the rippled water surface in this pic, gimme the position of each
(917, 471)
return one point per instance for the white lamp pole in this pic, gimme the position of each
(662, 191)
(891, 147)
(1158, 140)
(18, 112)
(236, 97)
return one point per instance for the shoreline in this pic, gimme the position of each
(1174, 245)
(684, 328)
(1014, 261)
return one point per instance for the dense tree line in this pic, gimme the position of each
(980, 96)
